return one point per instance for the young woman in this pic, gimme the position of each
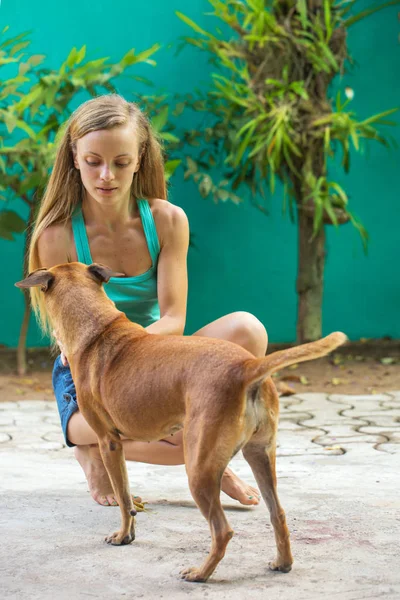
(106, 202)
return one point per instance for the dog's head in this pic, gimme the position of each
(69, 274)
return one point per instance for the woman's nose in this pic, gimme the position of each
(106, 174)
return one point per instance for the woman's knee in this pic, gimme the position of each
(79, 431)
(250, 333)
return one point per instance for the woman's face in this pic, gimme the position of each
(107, 160)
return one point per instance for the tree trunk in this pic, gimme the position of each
(310, 279)
(21, 349)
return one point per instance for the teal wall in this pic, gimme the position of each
(242, 259)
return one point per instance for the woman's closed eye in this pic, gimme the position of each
(96, 164)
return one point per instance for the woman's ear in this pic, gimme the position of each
(75, 158)
(138, 163)
(140, 158)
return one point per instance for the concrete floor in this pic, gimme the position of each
(339, 483)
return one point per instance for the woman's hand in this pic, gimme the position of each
(63, 358)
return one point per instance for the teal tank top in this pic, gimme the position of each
(135, 296)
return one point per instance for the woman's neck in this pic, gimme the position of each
(114, 215)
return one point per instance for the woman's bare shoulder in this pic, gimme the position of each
(56, 246)
(168, 218)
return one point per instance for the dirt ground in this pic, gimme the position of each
(362, 367)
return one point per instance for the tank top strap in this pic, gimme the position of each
(80, 237)
(150, 230)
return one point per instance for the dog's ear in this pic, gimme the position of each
(103, 273)
(41, 277)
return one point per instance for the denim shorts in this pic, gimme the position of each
(65, 393)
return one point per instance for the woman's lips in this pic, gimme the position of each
(106, 191)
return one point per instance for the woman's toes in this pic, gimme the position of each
(100, 499)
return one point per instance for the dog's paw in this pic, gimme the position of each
(274, 566)
(120, 538)
(193, 574)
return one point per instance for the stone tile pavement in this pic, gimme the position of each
(338, 476)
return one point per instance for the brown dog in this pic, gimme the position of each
(145, 387)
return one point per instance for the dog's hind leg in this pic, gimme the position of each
(262, 462)
(260, 452)
(206, 459)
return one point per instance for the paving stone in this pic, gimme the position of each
(390, 404)
(294, 416)
(6, 420)
(389, 447)
(27, 405)
(344, 440)
(6, 406)
(360, 399)
(378, 430)
(54, 436)
(341, 500)
(342, 421)
(40, 446)
(53, 419)
(289, 425)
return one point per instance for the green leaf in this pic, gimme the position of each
(160, 120)
(36, 59)
(192, 165)
(169, 137)
(369, 11)
(23, 68)
(25, 127)
(378, 117)
(243, 146)
(144, 56)
(80, 55)
(11, 222)
(302, 10)
(10, 119)
(12, 41)
(318, 217)
(18, 47)
(31, 182)
(205, 186)
(361, 230)
(327, 139)
(328, 20)
(340, 191)
(354, 138)
(223, 195)
(71, 59)
(329, 209)
(170, 167)
(179, 108)
(29, 98)
(193, 25)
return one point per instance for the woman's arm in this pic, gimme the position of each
(55, 248)
(173, 233)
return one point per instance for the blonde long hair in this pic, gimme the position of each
(65, 189)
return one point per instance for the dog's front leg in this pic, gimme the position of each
(114, 461)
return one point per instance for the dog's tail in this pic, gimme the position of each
(258, 369)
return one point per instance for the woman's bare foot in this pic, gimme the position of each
(97, 477)
(101, 489)
(238, 490)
